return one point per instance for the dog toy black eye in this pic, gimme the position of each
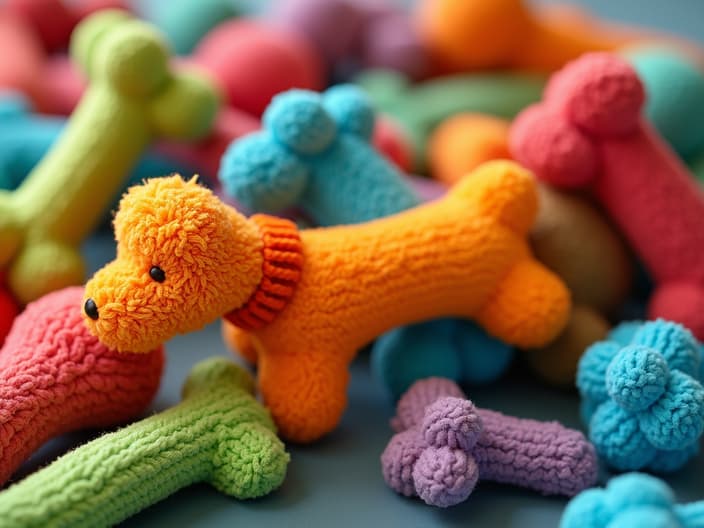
(157, 274)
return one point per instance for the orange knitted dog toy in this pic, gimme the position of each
(311, 299)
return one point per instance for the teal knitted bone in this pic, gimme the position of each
(133, 98)
(218, 434)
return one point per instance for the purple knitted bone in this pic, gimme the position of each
(444, 444)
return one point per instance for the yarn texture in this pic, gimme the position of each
(356, 282)
(642, 396)
(348, 182)
(633, 499)
(55, 377)
(588, 132)
(133, 98)
(218, 434)
(444, 445)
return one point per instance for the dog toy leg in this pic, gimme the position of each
(530, 307)
(306, 397)
(55, 377)
(218, 434)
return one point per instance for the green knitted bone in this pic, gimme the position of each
(133, 98)
(218, 434)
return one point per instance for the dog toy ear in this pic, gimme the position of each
(128, 53)
(261, 174)
(351, 109)
(298, 120)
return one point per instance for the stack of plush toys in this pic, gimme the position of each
(457, 184)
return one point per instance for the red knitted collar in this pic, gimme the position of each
(281, 270)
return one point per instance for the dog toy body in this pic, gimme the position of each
(444, 444)
(634, 499)
(311, 299)
(130, 101)
(56, 377)
(588, 131)
(417, 109)
(218, 434)
(642, 396)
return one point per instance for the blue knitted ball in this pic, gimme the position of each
(624, 332)
(636, 377)
(586, 510)
(483, 358)
(297, 119)
(645, 516)
(637, 489)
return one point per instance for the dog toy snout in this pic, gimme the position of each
(91, 309)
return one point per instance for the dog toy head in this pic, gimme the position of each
(183, 259)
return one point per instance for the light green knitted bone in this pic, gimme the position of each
(218, 434)
(133, 98)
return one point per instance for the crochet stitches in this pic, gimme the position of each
(218, 434)
(56, 377)
(133, 98)
(444, 444)
(464, 255)
(588, 132)
(630, 500)
(642, 397)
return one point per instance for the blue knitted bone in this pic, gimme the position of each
(642, 396)
(314, 153)
(631, 500)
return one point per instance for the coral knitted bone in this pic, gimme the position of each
(133, 98)
(218, 434)
(311, 299)
(642, 396)
(444, 444)
(588, 131)
(634, 499)
(56, 377)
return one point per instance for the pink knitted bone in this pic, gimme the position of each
(588, 131)
(55, 377)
